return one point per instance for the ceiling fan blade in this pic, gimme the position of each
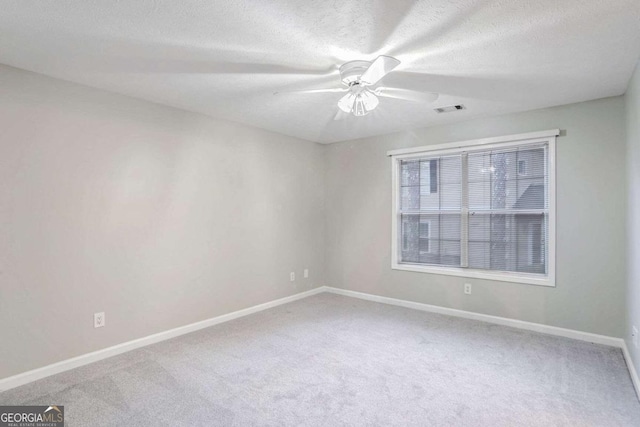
(199, 66)
(489, 88)
(379, 68)
(328, 90)
(341, 115)
(406, 94)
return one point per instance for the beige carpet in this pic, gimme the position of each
(330, 360)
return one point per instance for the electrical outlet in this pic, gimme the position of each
(634, 336)
(306, 273)
(467, 288)
(292, 276)
(98, 320)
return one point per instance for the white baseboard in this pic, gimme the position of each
(85, 359)
(632, 369)
(520, 324)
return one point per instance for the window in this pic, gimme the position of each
(425, 237)
(483, 208)
(433, 176)
(536, 244)
(522, 167)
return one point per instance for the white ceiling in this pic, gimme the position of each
(226, 58)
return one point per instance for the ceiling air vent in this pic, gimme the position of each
(450, 108)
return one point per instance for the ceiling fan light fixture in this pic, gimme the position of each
(369, 100)
(359, 102)
(346, 102)
(359, 109)
(364, 103)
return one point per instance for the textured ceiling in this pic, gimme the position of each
(226, 58)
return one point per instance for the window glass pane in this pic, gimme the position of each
(494, 181)
(410, 172)
(410, 198)
(511, 242)
(430, 239)
(451, 170)
(425, 173)
(431, 183)
(450, 196)
(480, 195)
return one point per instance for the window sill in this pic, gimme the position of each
(503, 276)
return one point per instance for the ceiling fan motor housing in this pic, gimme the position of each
(350, 72)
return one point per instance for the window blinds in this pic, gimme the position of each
(481, 209)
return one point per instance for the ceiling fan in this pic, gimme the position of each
(359, 79)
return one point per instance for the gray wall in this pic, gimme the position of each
(156, 216)
(632, 99)
(591, 196)
(161, 218)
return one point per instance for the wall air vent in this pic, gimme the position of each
(450, 108)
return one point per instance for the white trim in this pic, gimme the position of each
(504, 321)
(548, 137)
(395, 201)
(85, 359)
(464, 212)
(475, 142)
(632, 369)
(551, 173)
(454, 151)
(502, 276)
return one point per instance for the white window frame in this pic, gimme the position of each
(506, 141)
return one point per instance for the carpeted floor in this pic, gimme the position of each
(331, 360)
